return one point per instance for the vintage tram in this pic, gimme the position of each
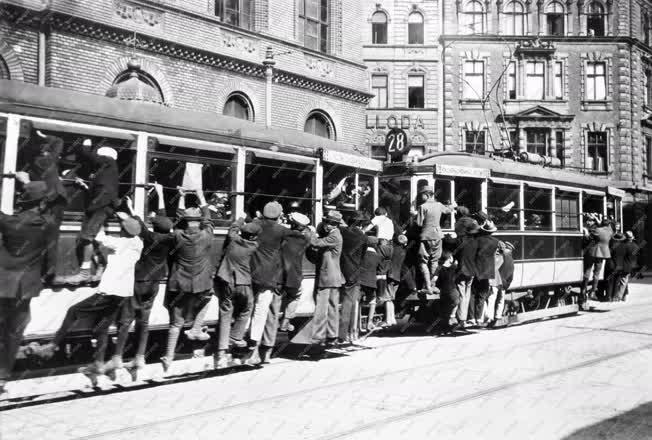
(244, 165)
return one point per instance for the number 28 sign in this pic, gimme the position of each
(397, 143)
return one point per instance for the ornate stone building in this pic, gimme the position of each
(204, 55)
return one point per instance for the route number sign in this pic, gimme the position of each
(397, 143)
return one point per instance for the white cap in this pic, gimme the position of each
(299, 219)
(108, 152)
(87, 143)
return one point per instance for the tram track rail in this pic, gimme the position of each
(415, 412)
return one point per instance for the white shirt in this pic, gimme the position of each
(123, 253)
(384, 227)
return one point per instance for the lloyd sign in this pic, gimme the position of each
(403, 122)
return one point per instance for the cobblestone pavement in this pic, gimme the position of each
(581, 377)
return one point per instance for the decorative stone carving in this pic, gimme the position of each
(139, 15)
(238, 42)
(321, 67)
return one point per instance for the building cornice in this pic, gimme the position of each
(111, 34)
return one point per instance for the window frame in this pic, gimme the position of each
(562, 195)
(535, 76)
(376, 102)
(553, 12)
(377, 26)
(511, 84)
(423, 90)
(648, 156)
(477, 135)
(221, 8)
(558, 80)
(471, 17)
(417, 27)
(466, 85)
(592, 15)
(505, 185)
(332, 134)
(592, 77)
(513, 17)
(647, 98)
(548, 211)
(537, 146)
(247, 104)
(596, 155)
(323, 25)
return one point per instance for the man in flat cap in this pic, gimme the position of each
(26, 249)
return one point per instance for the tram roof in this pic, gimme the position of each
(503, 168)
(70, 106)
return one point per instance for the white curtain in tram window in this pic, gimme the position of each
(192, 177)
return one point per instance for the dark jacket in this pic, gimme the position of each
(329, 249)
(369, 268)
(485, 262)
(103, 189)
(266, 263)
(625, 255)
(507, 269)
(398, 258)
(153, 263)
(45, 167)
(446, 282)
(466, 255)
(192, 268)
(353, 249)
(235, 268)
(293, 251)
(27, 250)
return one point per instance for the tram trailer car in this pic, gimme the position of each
(543, 222)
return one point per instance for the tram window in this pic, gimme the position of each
(468, 193)
(568, 247)
(71, 168)
(278, 180)
(567, 211)
(538, 247)
(503, 206)
(168, 166)
(538, 213)
(366, 193)
(443, 194)
(517, 242)
(592, 204)
(339, 187)
(613, 208)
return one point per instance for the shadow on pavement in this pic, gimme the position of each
(634, 424)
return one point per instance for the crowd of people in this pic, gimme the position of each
(359, 261)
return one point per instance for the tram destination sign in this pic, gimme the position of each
(359, 162)
(461, 171)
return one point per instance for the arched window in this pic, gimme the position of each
(473, 20)
(555, 19)
(514, 18)
(595, 20)
(137, 85)
(415, 28)
(238, 106)
(319, 124)
(379, 28)
(4, 69)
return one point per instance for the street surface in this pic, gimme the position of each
(581, 377)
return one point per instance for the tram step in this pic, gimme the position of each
(520, 318)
